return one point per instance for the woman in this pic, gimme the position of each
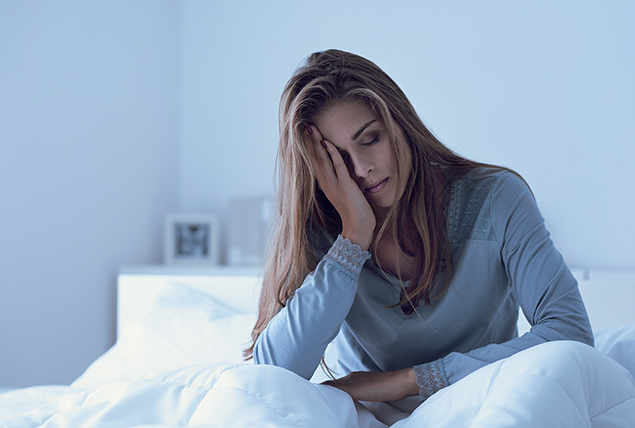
(411, 258)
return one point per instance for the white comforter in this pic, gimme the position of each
(561, 384)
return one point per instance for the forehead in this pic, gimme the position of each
(340, 122)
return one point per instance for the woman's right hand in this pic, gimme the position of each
(333, 177)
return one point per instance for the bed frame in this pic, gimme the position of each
(609, 295)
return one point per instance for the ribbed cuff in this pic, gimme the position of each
(348, 255)
(431, 378)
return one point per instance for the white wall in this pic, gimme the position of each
(88, 169)
(543, 87)
(114, 113)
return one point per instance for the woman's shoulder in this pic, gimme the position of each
(484, 180)
(475, 182)
(477, 198)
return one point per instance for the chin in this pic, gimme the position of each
(381, 210)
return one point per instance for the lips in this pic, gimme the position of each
(376, 188)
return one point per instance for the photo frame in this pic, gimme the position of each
(192, 239)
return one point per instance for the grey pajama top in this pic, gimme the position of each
(503, 258)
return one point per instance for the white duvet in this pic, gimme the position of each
(556, 384)
(156, 376)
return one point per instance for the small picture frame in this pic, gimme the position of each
(191, 239)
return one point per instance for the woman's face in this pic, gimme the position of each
(362, 140)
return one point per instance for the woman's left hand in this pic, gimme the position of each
(378, 386)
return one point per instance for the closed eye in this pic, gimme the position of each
(373, 141)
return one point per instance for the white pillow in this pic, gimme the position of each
(184, 327)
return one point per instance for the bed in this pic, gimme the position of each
(177, 363)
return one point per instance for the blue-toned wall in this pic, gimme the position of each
(88, 169)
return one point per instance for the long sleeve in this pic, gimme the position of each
(540, 281)
(298, 335)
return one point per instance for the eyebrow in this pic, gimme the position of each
(359, 132)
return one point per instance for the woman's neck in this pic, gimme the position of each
(390, 253)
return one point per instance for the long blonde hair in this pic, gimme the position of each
(324, 79)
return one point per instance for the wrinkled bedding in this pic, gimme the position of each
(181, 366)
(556, 384)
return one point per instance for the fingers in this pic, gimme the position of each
(328, 157)
(341, 170)
(320, 158)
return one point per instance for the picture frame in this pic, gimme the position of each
(192, 239)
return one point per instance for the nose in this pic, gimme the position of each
(360, 166)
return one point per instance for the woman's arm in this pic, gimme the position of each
(541, 282)
(378, 386)
(423, 380)
(297, 336)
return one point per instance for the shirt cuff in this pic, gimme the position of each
(348, 255)
(431, 378)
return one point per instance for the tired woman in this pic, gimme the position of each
(410, 258)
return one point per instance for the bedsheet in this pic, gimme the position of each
(555, 384)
